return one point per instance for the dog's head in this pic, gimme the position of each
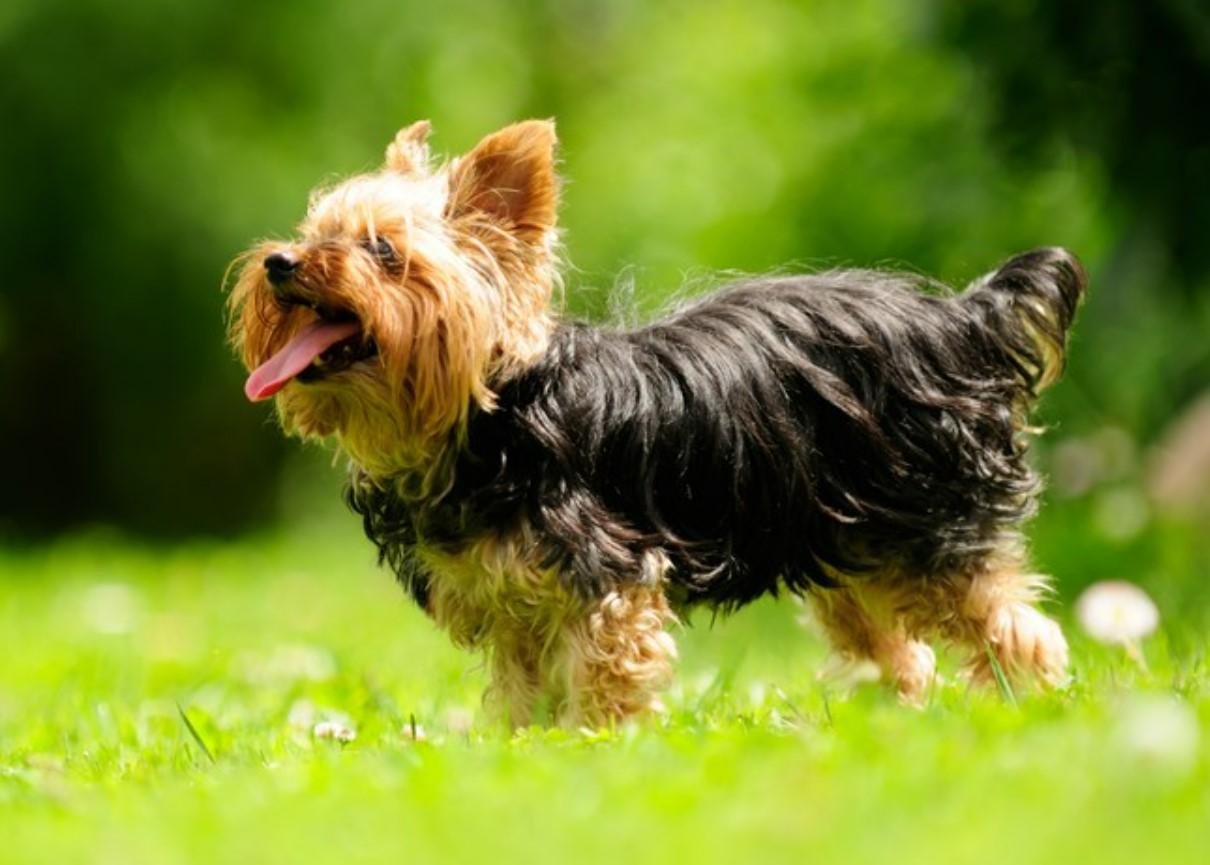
(408, 294)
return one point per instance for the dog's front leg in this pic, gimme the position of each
(615, 657)
(516, 687)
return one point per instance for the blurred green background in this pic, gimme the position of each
(146, 143)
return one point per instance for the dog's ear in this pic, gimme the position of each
(409, 152)
(510, 177)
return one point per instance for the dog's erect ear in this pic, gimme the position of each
(510, 177)
(409, 152)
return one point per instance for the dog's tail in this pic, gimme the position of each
(1030, 303)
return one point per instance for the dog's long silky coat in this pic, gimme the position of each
(779, 432)
(554, 491)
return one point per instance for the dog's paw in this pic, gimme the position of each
(1025, 641)
(913, 671)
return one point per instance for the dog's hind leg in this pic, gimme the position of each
(995, 610)
(863, 623)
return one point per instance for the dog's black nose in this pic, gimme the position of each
(281, 266)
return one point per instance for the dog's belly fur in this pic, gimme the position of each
(779, 433)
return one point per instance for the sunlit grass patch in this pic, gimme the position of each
(281, 701)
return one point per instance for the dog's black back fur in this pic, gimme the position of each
(775, 433)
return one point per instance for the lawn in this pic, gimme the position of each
(105, 643)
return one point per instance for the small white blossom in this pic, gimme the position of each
(1117, 612)
(334, 730)
(111, 608)
(459, 721)
(1160, 733)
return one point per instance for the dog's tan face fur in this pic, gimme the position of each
(448, 270)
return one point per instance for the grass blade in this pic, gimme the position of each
(1006, 688)
(197, 737)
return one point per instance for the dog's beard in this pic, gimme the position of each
(449, 273)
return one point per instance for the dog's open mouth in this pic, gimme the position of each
(326, 346)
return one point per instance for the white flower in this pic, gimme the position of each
(1161, 733)
(1117, 612)
(459, 721)
(112, 608)
(334, 730)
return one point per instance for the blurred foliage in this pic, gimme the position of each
(149, 142)
(1121, 85)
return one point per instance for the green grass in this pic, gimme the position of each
(106, 649)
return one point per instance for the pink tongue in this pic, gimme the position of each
(312, 341)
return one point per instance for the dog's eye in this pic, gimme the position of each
(380, 248)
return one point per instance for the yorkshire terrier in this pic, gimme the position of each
(555, 492)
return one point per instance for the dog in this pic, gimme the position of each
(557, 494)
